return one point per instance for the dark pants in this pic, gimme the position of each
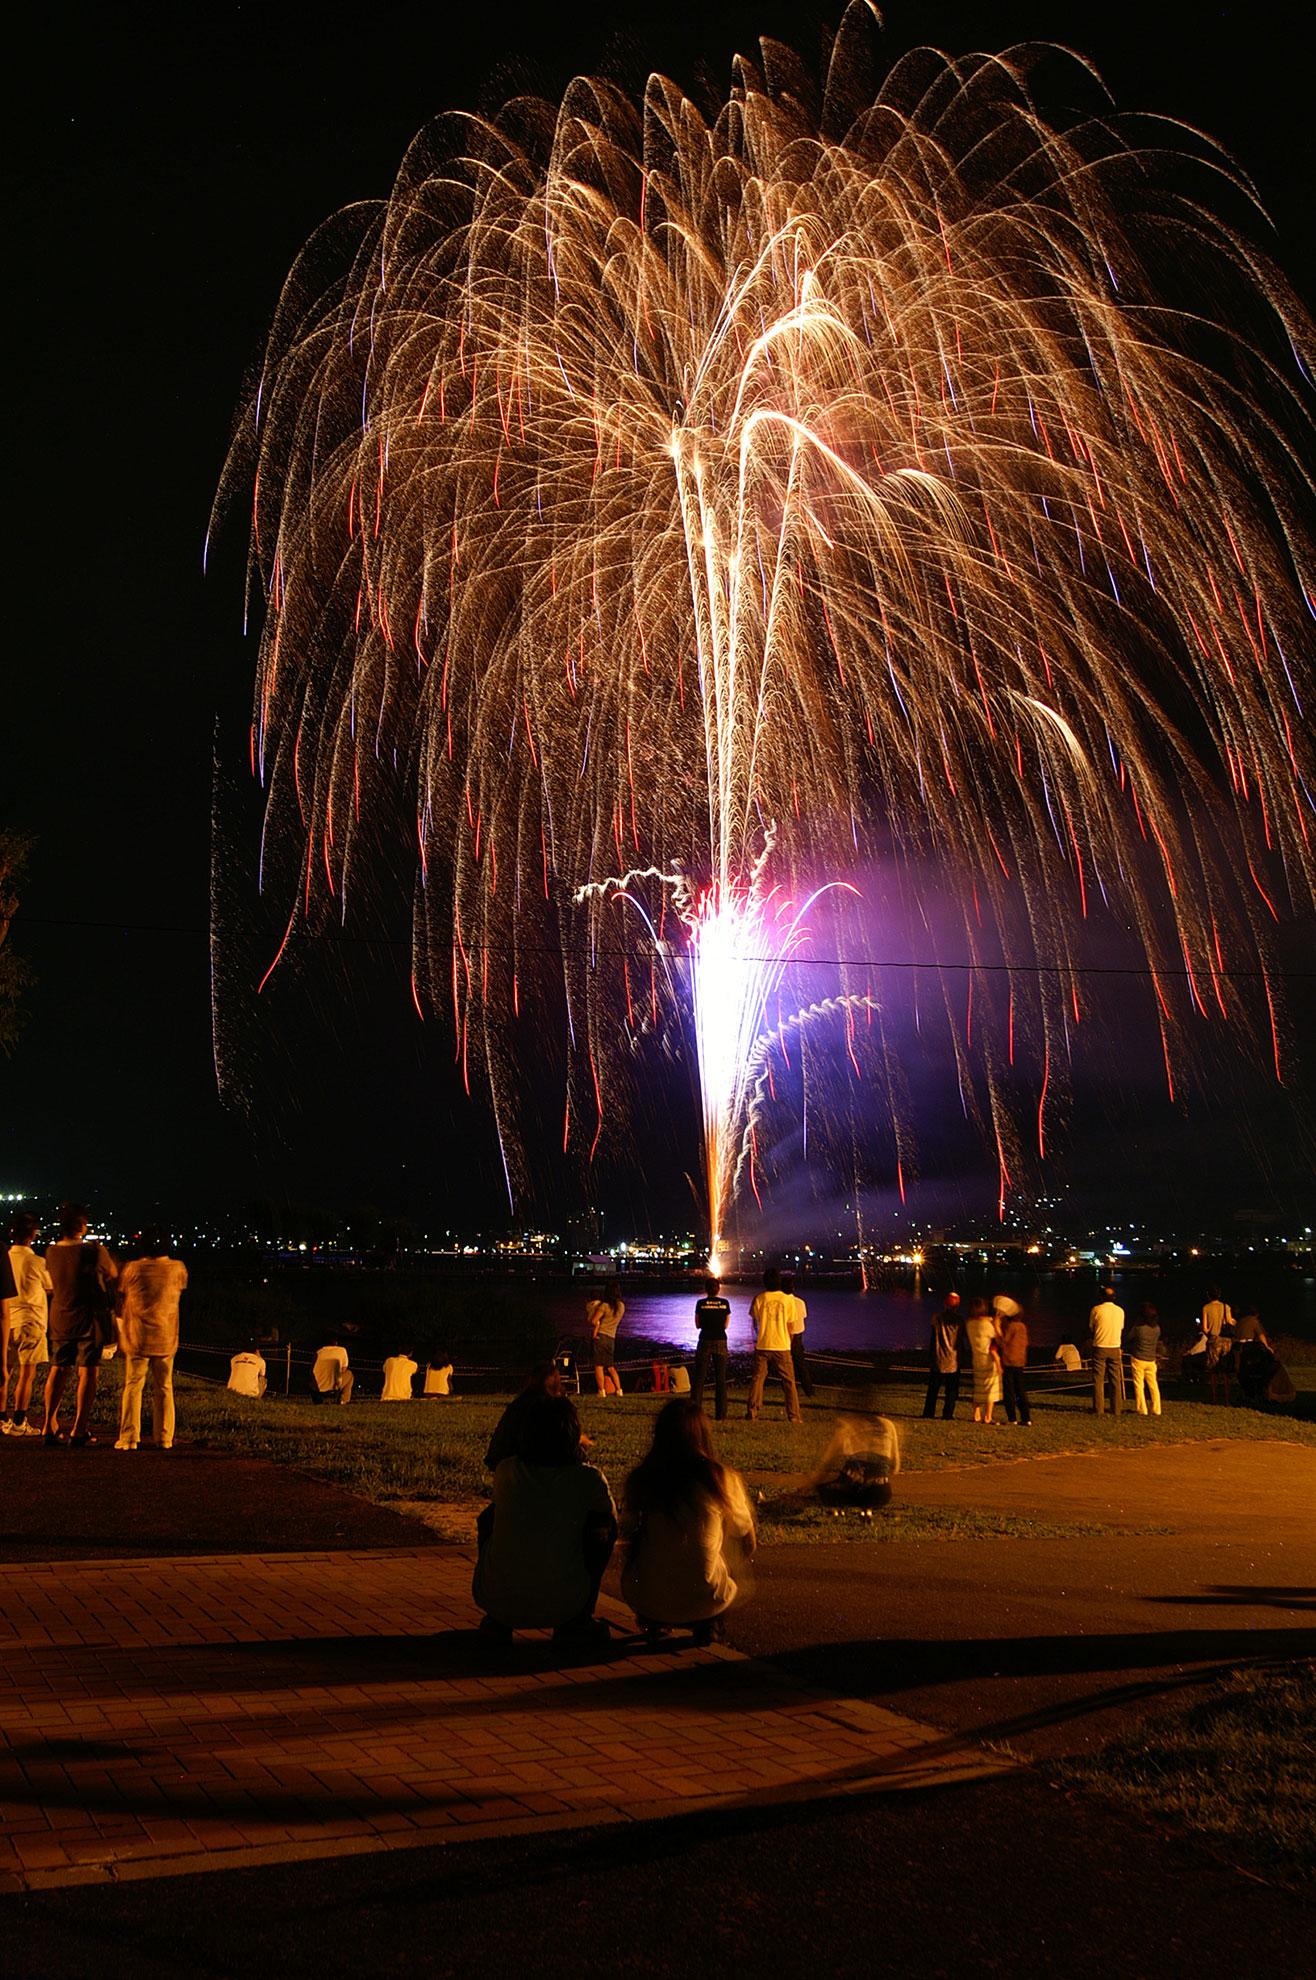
(1016, 1395)
(803, 1378)
(952, 1385)
(1108, 1362)
(716, 1351)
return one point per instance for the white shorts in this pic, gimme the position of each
(30, 1345)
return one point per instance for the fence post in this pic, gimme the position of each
(287, 1377)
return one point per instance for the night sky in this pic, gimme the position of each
(169, 163)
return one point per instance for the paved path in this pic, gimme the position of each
(218, 1712)
(1053, 1646)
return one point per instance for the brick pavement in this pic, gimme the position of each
(160, 1716)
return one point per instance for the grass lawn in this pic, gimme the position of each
(1239, 1766)
(427, 1458)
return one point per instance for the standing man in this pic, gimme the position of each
(150, 1288)
(28, 1306)
(1216, 1316)
(799, 1314)
(1106, 1323)
(944, 1359)
(712, 1313)
(82, 1278)
(771, 1314)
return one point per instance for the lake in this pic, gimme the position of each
(1056, 1307)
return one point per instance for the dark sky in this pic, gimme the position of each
(169, 163)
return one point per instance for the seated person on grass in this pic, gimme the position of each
(438, 1376)
(547, 1537)
(399, 1370)
(246, 1373)
(330, 1374)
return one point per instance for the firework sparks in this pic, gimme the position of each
(719, 506)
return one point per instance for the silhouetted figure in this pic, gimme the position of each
(81, 1320)
(712, 1313)
(547, 1537)
(1012, 1344)
(944, 1359)
(545, 1380)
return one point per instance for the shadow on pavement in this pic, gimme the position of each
(1224, 1595)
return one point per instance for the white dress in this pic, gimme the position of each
(986, 1374)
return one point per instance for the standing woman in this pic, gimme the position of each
(1141, 1342)
(692, 1525)
(980, 1329)
(604, 1316)
(82, 1280)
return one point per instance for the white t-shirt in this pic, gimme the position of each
(398, 1371)
(603, 1319)
(330, 1367)
(1107, 1324)
(532, 1573)
(771, 1313)
(32, 1305)
(246, 1374)
(799, 1313)
(438, 1381)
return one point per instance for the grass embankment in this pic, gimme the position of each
(428, 1457)
(1239, 1766)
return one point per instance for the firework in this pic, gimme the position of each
(686, 513)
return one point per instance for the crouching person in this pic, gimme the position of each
(859, 1464)
(693, 1529)
(547, 1537)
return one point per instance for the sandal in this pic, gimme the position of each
(82, 1439)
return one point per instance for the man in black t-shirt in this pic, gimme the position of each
(711, 1316)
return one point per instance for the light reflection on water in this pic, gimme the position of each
(1056, 1308)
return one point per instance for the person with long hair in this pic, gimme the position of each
(692, 1528)
(604, 1317)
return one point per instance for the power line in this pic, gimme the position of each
(345, 940)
